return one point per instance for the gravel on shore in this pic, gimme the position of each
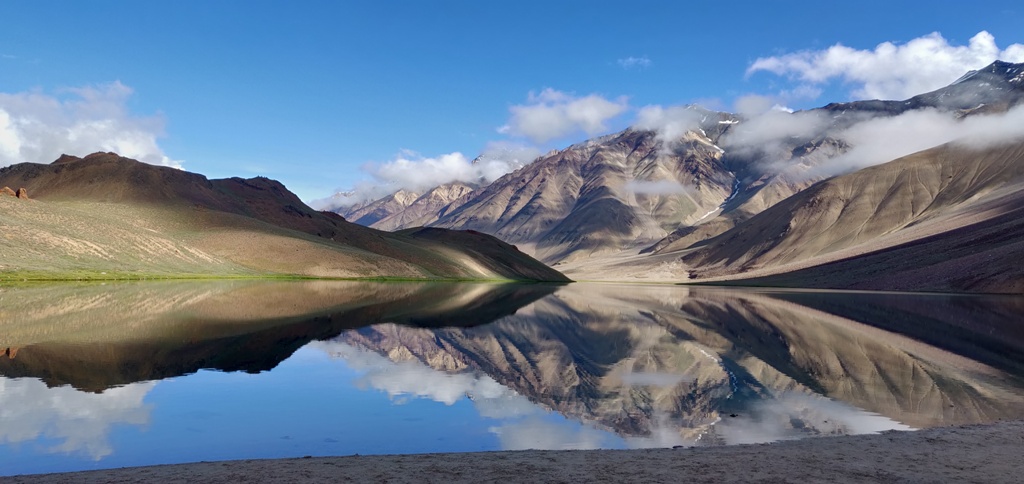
(981, 453)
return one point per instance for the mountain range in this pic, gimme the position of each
(919, 194)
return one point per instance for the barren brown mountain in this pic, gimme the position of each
(106, 213)
(427, 208)
(616, 193)
(947, 218)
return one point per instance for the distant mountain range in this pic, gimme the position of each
(108, 216)
(812, 198)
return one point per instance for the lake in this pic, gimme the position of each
(123, 374)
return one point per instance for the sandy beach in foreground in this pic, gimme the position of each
(984, 453)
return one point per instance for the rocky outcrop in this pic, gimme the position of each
(65, 159)
(22, 193)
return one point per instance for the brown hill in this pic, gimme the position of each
(96, 337)
(945, 218)
(109, 213)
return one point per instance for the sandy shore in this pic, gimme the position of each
(989, 453)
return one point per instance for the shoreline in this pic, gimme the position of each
(988, 453)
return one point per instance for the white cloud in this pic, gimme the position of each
(634, 62)
(769, 132)
(882, 140)
(534, 432)
(412, 378)
(413, 172)
(39, 127)
(670, 123)
(78, 421)
(502, 157)
(659, 187)
(772, 419)
(554, 114)
(891, 71)
(753, 104)
(522, 423)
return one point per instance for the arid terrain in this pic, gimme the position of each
(105, 216)
(980, 453)
(803, 199)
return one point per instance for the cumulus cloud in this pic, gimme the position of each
(78, 422)
(39, 127)
(670, 123)
(891, 70)
(554, 114)
(634, 62)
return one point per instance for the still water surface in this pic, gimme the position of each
(99, 376)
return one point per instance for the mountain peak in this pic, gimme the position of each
(64, 159)
(1007, 71)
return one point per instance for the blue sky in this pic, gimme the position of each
(323, 94)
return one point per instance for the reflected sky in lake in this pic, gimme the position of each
(133, 374)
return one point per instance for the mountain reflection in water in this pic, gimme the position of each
(622, 365)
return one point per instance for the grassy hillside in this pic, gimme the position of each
(108, 214)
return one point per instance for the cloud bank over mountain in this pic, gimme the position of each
(553, 114)
(38, 127)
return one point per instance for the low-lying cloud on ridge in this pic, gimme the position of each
(891, 70)
(39, 127)
(669, 123)
(768, 134)
(881, 140)
(416, 173)
(656, 187)
(553, 114)
(871, 141)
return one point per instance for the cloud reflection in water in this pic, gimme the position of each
(523, 424)
(79, 422)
